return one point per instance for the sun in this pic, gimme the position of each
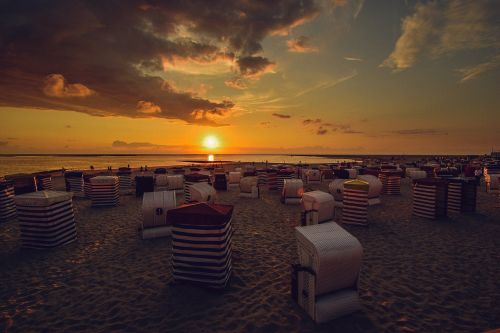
(211, 142)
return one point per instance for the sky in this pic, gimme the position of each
(297, 76)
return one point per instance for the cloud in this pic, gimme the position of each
(301, 44)
(326, 84)
(441, 28)
(68, 126)
(120, 52)
(282, 116)
(352, 59)
(320, 127)
(4, 143)
(472, 72)
(236, 83)
(148, 108)
(419, 131)
(311, 121)
(122, 145)
(353, 7)
(254, 67)
(265, 124)
(321, 131)
(55, 85)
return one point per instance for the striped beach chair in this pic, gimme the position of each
(430, 198)
(46, 219)
(462, 194)
(201, 243)
(105, 191)
(391, 182)
(355, 203)
(7, 204)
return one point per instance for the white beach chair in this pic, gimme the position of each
(318, 207)
(154, 213)
(326, 279)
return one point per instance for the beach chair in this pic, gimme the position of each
(325, 281)
(175, 183)
(74, 182)
(44, 182)
(7, 203)
(430, 198)
(462, 195)
(249, 187)
(234, 178)
(391, 182)
(190, 180)
(375, 188)
(144, 183)
(46, 219)
(201, 243)
(105, 191)
(313, 176)
(292, 191)
(202, 192)
(355, 203)
(317, 207)
(155, 206)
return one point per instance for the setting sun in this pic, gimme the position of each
(211, 142)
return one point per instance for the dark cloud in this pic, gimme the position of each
(4, 143)
(420, 131)
(321, 128)
(321, 131)
(68, 126)
(311, 121)
(104, 57)
(254, 66)
(282, 116)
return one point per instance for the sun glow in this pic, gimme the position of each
(211, 142)
(211, 158)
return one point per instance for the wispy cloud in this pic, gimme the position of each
(326, 84)
(282, 116)
(123, 145)
(419, 131)
(472, 72)
(352, 59)
(441, 28)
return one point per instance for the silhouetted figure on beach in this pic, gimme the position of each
(142, 168)
(91, 167)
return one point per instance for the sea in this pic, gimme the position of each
(13, 164)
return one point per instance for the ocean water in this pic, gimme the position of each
(11, 164)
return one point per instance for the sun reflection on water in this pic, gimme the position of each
(211, 158)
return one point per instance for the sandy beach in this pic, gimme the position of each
(418, 275)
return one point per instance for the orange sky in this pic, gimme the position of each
(343, 77)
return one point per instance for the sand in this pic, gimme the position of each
(418, 275)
